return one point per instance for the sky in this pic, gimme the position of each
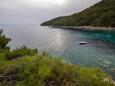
(29, 12)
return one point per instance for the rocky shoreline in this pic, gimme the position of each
(86, 28)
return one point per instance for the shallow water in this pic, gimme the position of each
(99, 50)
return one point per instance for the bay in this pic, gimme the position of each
(98, 52)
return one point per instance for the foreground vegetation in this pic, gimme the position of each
(101, 14)
(28, 67)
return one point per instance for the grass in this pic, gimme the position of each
(44, 70)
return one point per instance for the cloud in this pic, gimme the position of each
(35, 11)
(32, 3)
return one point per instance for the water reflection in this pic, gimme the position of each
(58, 41)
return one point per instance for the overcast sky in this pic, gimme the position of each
(23, 12)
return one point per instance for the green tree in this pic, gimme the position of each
(3, 40)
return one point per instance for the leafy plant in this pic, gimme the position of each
(20, 52)
(3, 40)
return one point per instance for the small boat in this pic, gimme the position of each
(82, 42)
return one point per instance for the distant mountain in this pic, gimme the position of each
(101, 14)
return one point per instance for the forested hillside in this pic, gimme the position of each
(101, 14)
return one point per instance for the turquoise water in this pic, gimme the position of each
(98, 52)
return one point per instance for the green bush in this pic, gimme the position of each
(3, 40)
(42, 70)
(20, 52)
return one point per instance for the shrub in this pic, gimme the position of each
(3, 40)
(20, 52)
(42, 70)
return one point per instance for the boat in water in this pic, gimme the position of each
(82, 42)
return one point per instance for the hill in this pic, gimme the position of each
(101, 14)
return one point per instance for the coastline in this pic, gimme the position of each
(86, 28)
